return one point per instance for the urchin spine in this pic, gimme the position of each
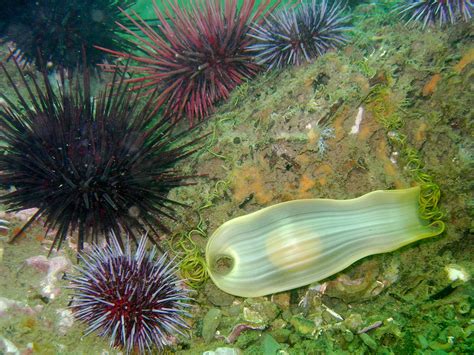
(293, 36)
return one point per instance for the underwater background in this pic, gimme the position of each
(379, 97)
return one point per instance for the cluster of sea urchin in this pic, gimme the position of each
(135, 299)
(58, 30)
(429, 12)
(296, 35)
(92, 166)
(197, 57)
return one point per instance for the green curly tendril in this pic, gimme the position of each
(386, 113)
(213, 139)
(192, 264)
(383, 109)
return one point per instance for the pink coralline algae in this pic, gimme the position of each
(54, 268)
(12, 306)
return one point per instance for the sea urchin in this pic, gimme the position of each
(58, 30)
(441, 12)
(197, 56)
(135, 299)
(95, 166)
(296, 35)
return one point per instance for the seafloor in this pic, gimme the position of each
(287, 135)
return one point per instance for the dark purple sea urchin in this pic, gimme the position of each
(94, 166)
(430, 12)
(58, 30)
(134, 299)
(296, 35)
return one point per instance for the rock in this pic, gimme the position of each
(210, 323)
(281, 335)
(234, 310)
(278, 324)
(391, 332)
(7, 347)
(8, 305)
(457, 274)
(303, 326)
(317, 318)
(286, 315)
(270, 345)
(65, 321)
(25, 215)
(366, 338)
(348, 335)
(311, 301)
(364, 283)
(353, 322)
(282, 300)
(39, 263)
(294, 339)
(216, 296)
(252, 316)
(222, 351)
(53, 268)
(247, 338)
(259, 311)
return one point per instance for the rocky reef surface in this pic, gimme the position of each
(393, 101)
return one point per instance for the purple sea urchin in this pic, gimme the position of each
(296, 35)
(95, 166)
(135, 299)
(441, 12)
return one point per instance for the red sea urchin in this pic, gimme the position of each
(297, 35)
(197, 56)
(95, 166)
(135, 299)
(429, 12)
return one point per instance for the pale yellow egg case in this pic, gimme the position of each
(295, 243)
